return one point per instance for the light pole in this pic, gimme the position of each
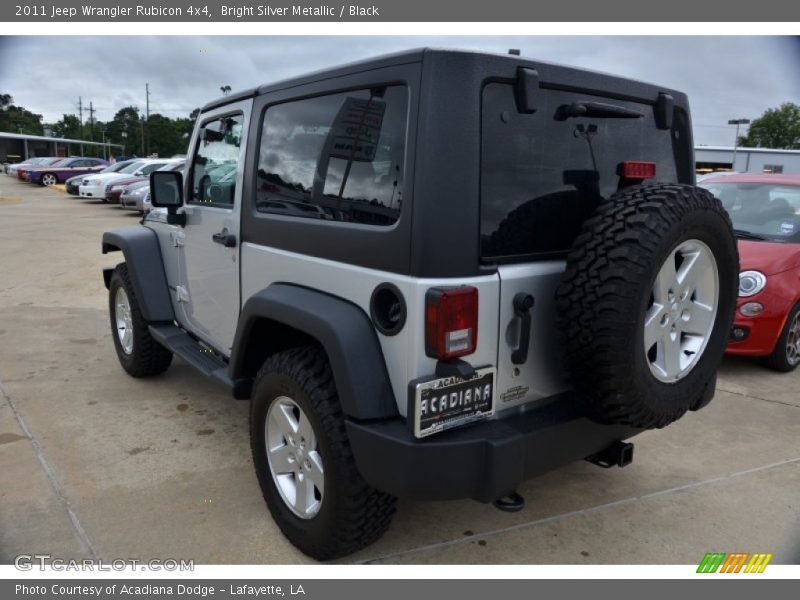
(737, 122)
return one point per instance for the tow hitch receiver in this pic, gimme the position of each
(619, 454)
(512, 502)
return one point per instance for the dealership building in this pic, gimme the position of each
(15, 147)
(748, 160)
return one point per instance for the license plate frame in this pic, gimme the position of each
(426, 418)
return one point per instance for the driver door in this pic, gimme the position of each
(208, 294)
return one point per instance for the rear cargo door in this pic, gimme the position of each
(542, 175)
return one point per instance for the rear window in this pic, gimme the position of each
(542, 177)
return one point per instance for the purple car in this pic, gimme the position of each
(64, 169)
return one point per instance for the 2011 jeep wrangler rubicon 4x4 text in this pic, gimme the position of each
(434, 275)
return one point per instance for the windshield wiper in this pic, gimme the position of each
(597, 110)
(748, 235)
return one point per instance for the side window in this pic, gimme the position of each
(337, 157)
(215, 162)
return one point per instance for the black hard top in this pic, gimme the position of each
(567, 77)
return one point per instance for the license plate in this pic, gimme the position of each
(441, 404)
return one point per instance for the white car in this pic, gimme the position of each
(11, 169)
(98, 186)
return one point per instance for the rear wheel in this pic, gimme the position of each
(786, 355)
(303, 460)
(646, 303)
(49, 179)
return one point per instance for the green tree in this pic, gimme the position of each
(776, 128)
(164, 135)
(126, 121)
(68, 127)
(16, 119)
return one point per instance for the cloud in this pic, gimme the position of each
(725, 77)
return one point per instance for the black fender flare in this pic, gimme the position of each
(142, 253)
(343, 329)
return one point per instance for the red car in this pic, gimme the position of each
(765, 210)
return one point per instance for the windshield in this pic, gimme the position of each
(133, 167)
(116, 167)
(771, 211)
(152, 167)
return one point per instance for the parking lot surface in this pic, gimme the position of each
(94, 463)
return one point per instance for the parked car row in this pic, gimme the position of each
(50, 170)
(125, 183)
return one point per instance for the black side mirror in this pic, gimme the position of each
(166, 191)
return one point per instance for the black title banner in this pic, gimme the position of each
(405, 10)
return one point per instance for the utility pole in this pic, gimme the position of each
(147, 113)
(737, 122)
(80, 113)
(91, 119)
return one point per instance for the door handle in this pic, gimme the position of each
(226, 239)
(522, 308)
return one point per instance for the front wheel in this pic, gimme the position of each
(786, 355)
(138, 352)
(304, 462)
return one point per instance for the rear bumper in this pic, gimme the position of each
(484, 461)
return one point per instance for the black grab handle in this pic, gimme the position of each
(522, 306)
(226, 239)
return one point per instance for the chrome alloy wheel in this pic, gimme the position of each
(680, 318)
(793, 341)
(123, 320)
(49, 179)
(294, 460)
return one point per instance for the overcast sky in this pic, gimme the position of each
(725, 77)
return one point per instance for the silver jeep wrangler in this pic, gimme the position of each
(434, 275)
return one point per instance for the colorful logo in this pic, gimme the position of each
(737, 562)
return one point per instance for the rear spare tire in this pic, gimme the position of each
(646, 303)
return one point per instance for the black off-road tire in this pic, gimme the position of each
(606, 290)
(148, 357)
(778, 360)
(352, 514)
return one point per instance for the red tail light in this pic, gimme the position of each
(632, 169)
(451, 322)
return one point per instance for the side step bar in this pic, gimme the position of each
(193, 352)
